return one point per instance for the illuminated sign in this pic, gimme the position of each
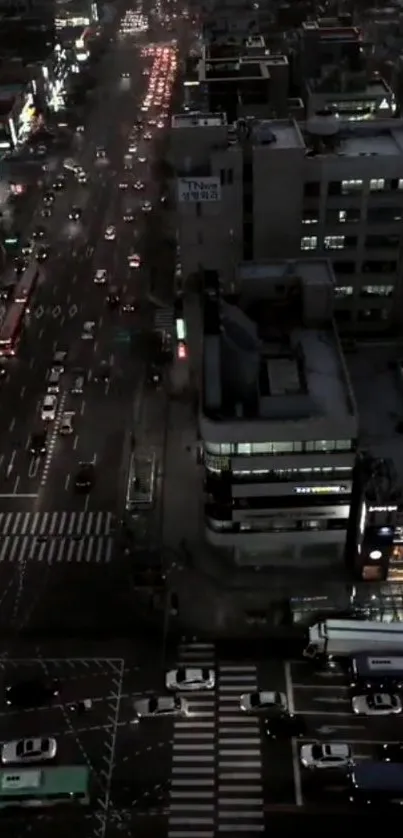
(180, 329)
(320, 490)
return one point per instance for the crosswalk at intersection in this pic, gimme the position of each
(216, 783)
(56, 537)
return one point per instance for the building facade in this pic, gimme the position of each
(278, 421)
(324, 189)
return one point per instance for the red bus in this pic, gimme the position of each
(26, 285)
(10, 329)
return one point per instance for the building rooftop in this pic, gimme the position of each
(232, 69)
(356, 139)
(279, 133)
(198, 120)
(266, 357)
(349, 84)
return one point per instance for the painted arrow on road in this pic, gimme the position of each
(332, 700)
(39, 312)
(56, 312)
(73, 310)
(332, 728)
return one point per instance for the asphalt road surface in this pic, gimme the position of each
(46, 527)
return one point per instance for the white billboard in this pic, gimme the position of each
(199, 190)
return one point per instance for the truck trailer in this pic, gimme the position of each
(346, 638)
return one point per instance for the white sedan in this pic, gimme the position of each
(28, 750)
(110, 233)
(325, 755)
(100, 276)
(190, 679)
(49, 408)
(163, 705)
(88, 330)
(66, 424)
(377, 704)
(259, 702)
(147, 206)
(134, 260)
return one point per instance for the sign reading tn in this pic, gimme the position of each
(192, 190)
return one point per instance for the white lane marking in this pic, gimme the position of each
(11, 427)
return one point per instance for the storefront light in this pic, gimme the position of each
(12, 131)
(375, 555)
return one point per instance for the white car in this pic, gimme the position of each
(376, 704)
(54, 380)
(134, 260)
(325, 755)
(147, 206)
(27, 248)
(110, 233)
(49, 407)
(123, 184)
(139, 184)
(66, 424)
(142, 158)
(259, 702)
(100, 277)
(28, 750)
(132, 148)
(163, 705)
(88, 330)
(190, 679)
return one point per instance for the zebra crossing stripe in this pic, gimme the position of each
(90, 549)
(56, 524)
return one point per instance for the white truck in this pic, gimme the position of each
(346, 638)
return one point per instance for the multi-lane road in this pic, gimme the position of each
(44, 523)
(200, 776)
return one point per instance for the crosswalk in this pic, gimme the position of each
(192, 803)
(56, 523)
(216, 784)
(56, 537)
(239, 769)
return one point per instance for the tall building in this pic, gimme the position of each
(324, 189)
(27, 29)
(278, 419)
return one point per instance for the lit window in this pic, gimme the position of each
(348, 186)
(244, 448)
(309, 242)
(400, 183)
(310, 217)
(343, 290)
(376, 184)
(377, 290)
(334, 242)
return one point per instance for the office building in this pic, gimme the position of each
(324, 189)
(278, 419)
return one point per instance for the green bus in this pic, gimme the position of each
(37, 787)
